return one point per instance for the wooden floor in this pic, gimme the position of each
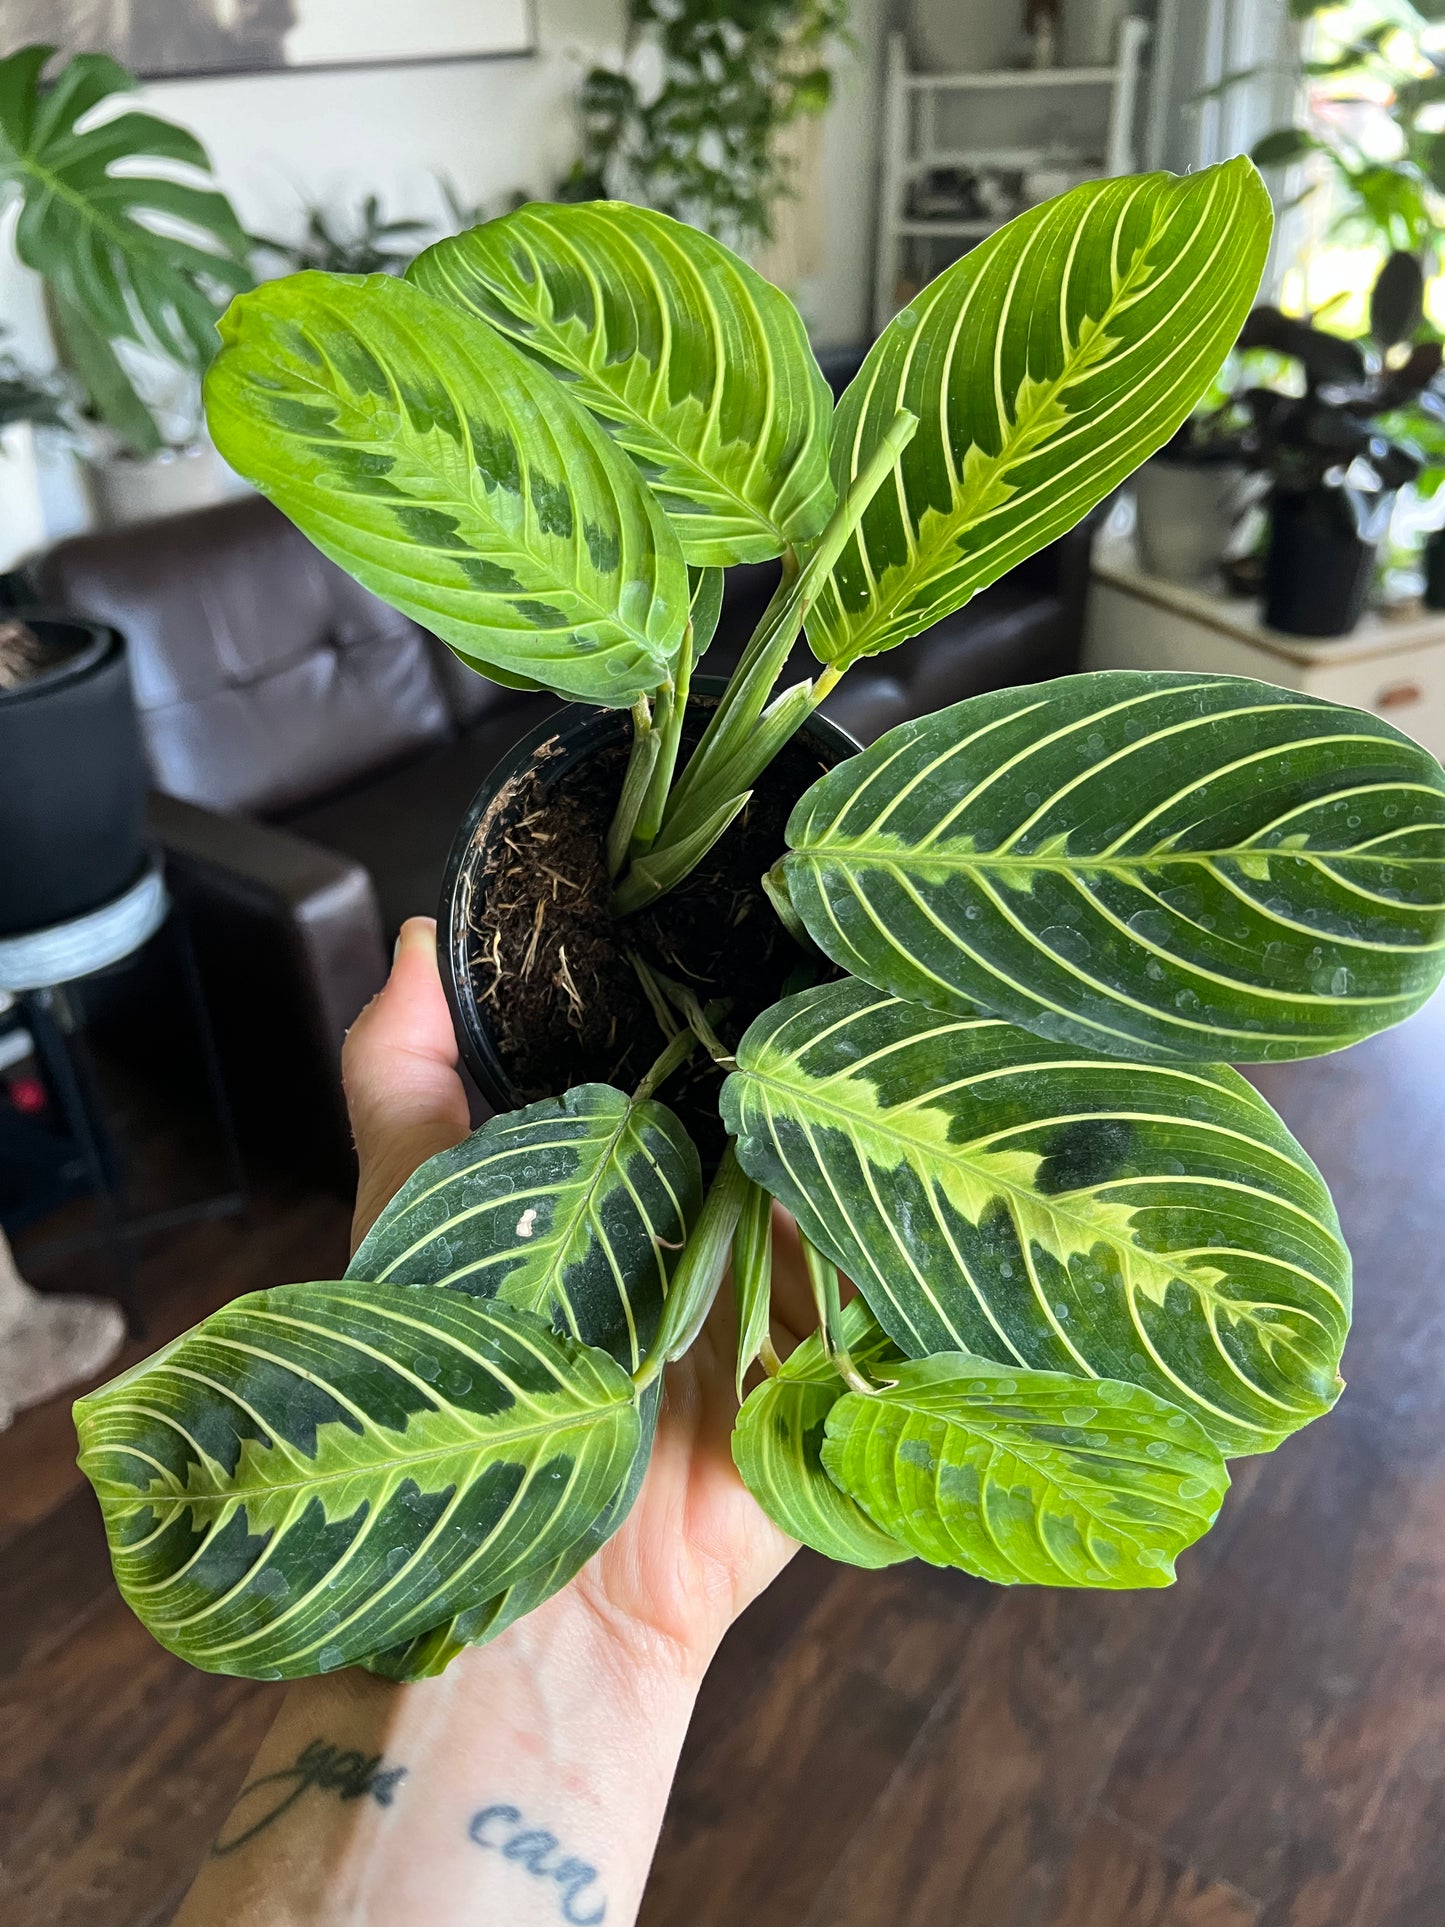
(1263, 1746)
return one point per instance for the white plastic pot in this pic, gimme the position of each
(1186, 515)
(125, 489)
(22, 516)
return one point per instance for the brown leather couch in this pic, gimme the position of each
(313, 751)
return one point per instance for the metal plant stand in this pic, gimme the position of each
(39, 969)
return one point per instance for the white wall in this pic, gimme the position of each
(490, 126)
(279, 141)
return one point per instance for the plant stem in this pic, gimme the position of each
(671, 710)
(673, 1057)
(699, 1271)
(642, 762)
(743, 736)
(823, 1277)
(700, 1021)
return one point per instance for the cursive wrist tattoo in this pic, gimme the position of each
(328, 1768)
(538, 1852)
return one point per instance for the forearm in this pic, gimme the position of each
(525, 1787)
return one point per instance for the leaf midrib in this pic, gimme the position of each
(133, 240)
(956, 1155)
(942, 857)
(503, 1443)
(1030, 1456)
(951, 527)
(580, 366)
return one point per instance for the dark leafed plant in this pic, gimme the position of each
(1092, 1264)
(1351, 433)
(365, 242)
(122, 218)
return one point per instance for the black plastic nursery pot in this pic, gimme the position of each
(72, 780)
(543, 991)
(1317, 570)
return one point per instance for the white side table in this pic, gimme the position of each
(1393, 666)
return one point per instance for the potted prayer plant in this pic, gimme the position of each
(975, 1039)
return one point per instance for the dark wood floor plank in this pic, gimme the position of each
(1118, 1878)
(1296, 1749)
(120, 1763)
(1261, 1747)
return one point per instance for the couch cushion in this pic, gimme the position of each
(265, 676)
(400, 825)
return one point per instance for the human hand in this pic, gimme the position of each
(696, 1548)
(529, 1780)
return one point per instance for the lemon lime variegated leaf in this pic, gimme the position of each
(1160, 865)
(778, 1439)
(323, 1471)
(427, 1654)
(1027, 1478)
(454, 478)
(695, 365)
(1049, 1207)
(1043, 368)
(575, 1208)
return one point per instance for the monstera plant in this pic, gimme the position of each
(971, 1028)
(122, 218)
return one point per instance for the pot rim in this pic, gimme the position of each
(102, 645)
(580, 732)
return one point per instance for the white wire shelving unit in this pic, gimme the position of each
(1101, 109)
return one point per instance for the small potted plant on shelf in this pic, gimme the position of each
(1189, 498)
(1333, 471)
(969, 1024)
(139, 252)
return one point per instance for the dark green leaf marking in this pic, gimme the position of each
(575, 1208)
(320, 1472)
(1020, 1478)
(695, 365)
(1048, 1207)
(454, 478)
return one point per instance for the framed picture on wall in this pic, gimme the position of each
(168, 38)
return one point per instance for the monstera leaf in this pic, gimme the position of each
(1159, 865)
(778, 1440)
(1018, 1478)
(1043, 367)
(574, 1208)
(455, 478)
(697, 366)
(1047, 1207)
(325, 1471)
(96, 199)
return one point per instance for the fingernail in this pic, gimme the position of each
(396, 950)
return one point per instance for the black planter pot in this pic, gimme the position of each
(1435, 571)
(572, 736)
(72, 781)
(1317, 571)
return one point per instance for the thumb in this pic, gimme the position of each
(399, 1071)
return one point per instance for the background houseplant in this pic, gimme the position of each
(138, 249)
(702, 143)
(1092, 1261)
(1333, 470)
(28, 401)
(1387, 194)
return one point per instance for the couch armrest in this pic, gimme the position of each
(290, 943)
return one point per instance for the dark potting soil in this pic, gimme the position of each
(550, 966)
